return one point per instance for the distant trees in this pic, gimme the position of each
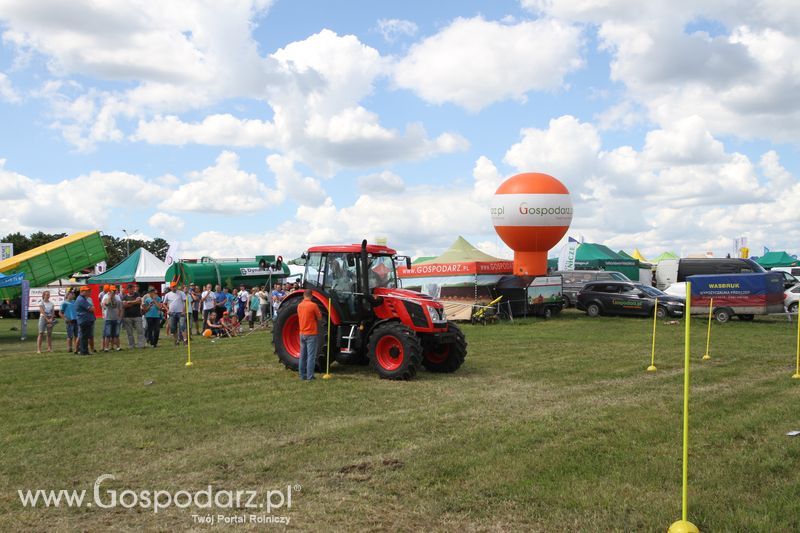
(116, 247)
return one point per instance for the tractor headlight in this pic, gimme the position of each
(437, 314)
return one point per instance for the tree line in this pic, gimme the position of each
(116, 247)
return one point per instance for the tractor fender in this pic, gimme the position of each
(378, 323)
(319, 298)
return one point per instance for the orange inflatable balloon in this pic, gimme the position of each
(207, 333)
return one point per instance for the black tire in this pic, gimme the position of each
(593, 310)
(446, 357)
(661, 312)
(722, 315)
(395, 351)
(746, 318)
(286, 337)
(793, 307)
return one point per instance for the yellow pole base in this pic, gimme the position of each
(683, 526)
(706, 357)
(327, 376)
(189, 363)
(796, 376)
(651, 368)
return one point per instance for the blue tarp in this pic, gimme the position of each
(11, 281)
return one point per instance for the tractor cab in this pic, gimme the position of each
(349, 277)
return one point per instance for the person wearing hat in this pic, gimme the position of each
(151, 307)
(132, 316)
(112, 312)
(84, 312)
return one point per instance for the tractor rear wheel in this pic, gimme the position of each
(395, 351)
(286, 337)
(446, 357)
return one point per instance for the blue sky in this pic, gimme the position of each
(265, 127)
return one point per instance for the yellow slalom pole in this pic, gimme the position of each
(797, 368)
(652, 367)
(683, 525)
(327, 374)
(188, 334)
(707, 356)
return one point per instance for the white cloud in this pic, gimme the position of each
(304, 190)
(222, 129)
(742, 80)
(7, 91)
(475, 62)
(221, 189)
(167, 225)
(392, 29)
(385, 182)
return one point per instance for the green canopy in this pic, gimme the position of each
(665, 255)
(460, 251)
(623, 254)
(777, 259)
(422, 259)
(592, 256)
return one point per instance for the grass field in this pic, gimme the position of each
(549, 426)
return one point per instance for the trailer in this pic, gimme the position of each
(740, 295)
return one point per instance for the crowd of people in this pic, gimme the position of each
(217, 311)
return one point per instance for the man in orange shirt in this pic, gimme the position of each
(308, 314)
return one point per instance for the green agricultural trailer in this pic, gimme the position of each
(54, 260)
(230, 273)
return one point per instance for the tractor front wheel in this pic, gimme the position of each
(395, 351)
(446, 357)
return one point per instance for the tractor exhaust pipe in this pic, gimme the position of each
(365, 274)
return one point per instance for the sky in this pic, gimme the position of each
(244, 127)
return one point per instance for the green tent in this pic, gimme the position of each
(422, 259)
(777, 259)
(141, 266)
(623, 254)
(665, 255)
(592, 256)
(461, 251)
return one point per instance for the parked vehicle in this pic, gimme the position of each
(627, 298)
(789, 280)
(794, 271)
(671, 271)
(372, 320)
(575, 280)
(741, 295)
(545, 296)
(791, 297)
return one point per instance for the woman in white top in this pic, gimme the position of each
(46, 320)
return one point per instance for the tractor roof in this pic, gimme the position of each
(353, 248)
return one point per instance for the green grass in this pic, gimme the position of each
(549, 426)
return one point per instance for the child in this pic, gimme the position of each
(215, 327)
(227, 324)
(236, 326)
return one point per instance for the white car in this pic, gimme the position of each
(791, 297)
(677, 289)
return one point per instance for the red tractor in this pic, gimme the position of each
(373, 321)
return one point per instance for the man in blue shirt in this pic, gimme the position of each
(70, 319)
(151, 306)
(84, 314)
(219, 300)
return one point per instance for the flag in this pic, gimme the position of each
(566, 258)
(174, 254)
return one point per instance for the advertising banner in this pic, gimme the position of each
(6, 250)
(756, 293)
(13, 280)
(457, 269)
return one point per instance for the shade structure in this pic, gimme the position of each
(141, 266)
(665, 255)
(458, 272)
(777, 259)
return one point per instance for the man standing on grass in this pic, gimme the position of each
(175, 301)
(84, 312)
(68, 314)
(308, 315)
(112, 310)
(132, 317)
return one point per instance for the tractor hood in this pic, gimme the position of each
(400, 293)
